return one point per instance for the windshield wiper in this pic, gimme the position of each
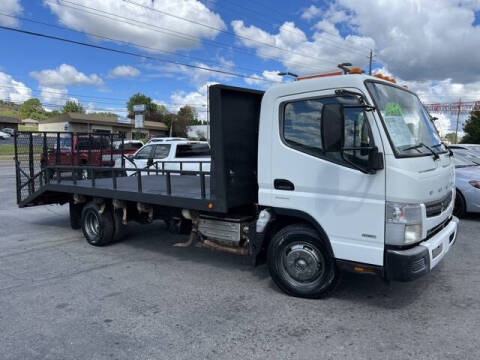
(435, 155)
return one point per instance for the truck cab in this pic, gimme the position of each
(358, 160)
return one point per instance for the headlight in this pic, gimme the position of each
(475, 184)
(404, 223)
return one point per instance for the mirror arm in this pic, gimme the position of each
(363, 170)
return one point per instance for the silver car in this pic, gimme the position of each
(467, 181)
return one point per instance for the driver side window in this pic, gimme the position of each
(357, 135)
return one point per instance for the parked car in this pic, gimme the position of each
(472, 148)
(9, 131)
(4, 135)
(166, 139)
(173, 152)
(467, 182)
(128, 145)
(91, 151)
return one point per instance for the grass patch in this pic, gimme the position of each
(7, 149)
(27, 128)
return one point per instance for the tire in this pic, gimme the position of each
(98, 229)
(460, 208)
(75, 215)
(300, 264)
(119, 228)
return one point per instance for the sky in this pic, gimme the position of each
(429, 45)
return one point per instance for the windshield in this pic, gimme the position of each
(408, 124)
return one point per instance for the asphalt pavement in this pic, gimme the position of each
(142, 298)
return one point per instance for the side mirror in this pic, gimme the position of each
(149, 162)
(333, 127)
(375, 160)
(130, 156)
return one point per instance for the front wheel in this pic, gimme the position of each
(460, 207)
(300, 264)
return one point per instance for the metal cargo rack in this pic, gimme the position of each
(49, 170)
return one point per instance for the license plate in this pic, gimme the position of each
(437, 251)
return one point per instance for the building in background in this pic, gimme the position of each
(30, 122)
(9, 122)
(101, 124)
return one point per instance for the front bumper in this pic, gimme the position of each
(410, 264)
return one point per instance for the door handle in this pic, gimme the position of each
(283, 184)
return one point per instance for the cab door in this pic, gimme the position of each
(346, 202)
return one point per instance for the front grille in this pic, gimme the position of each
(435, 208)
(436, 229)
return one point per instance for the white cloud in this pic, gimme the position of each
(265, 79)
(295, 51)
(143, 26)
(196, 76)
(53, 96)
(421, 40)
(12, 90)
(65, 75)
(12, 7)
(124, 71)
(196, 99)
(311, 12)
(53, 82)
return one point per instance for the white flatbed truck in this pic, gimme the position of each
(315, 177)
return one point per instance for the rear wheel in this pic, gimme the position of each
(460, 209)
(97, 226)
(300, 264)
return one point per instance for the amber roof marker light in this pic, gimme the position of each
(356, 70)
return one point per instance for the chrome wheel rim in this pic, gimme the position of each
(92, 225)
(302, 263)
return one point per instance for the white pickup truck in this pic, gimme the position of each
(172, 155)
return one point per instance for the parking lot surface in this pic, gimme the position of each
(145, 299)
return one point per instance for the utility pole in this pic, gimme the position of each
(370, 62)
(458, 120)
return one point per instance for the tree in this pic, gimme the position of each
(32, 109)
(72, 106)
(140, 99)
(472, 129)
(189, 115)
(450, 137)
(162, 109)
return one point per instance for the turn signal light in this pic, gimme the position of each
(362, 269)
(475, 184)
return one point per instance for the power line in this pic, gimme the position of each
(336, 43)
(217, 29)
(117, 40)
(124, 52)
(136, 22)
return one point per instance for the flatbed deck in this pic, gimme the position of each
(185, 190)
(187, 186)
